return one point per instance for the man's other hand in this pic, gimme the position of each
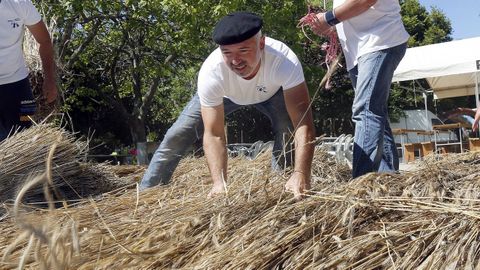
(298, 184)
(50, 91)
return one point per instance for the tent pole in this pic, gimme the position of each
(477, 102)
(427, 126)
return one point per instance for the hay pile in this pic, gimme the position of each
(429, 219)
(23, 155)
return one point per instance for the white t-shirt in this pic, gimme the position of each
(279, 68)
(14, 15)
(378, 28)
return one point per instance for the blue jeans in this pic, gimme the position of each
(374, 147)
(188, 129)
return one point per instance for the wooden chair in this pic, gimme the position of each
(409, 152)
(427, 149)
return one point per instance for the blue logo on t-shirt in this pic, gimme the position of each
(15, 22)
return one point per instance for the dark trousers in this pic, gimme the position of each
(16, 104)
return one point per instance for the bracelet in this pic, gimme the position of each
(299, 172)
(330, 18)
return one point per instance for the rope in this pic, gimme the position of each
(331, 47)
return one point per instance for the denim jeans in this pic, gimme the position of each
(188, 129)
(374, 147)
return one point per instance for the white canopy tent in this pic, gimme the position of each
(452, 69)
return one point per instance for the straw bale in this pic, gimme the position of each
(23, 155)
(426, 219)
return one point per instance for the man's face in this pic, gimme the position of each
(244, 58)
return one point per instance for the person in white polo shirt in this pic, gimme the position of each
(246, 69)
(374, 41)
(16, 99)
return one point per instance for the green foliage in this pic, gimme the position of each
(84, 99)
(425, 27)
(127, 48)
(440, 28)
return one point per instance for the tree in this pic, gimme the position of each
(425, 27)
(118, 54)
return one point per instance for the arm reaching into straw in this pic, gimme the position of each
(297, 102)
(214, 146)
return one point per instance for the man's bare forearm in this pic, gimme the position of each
(304, 145)
(216, 154)
(48, 64)
(298, 105)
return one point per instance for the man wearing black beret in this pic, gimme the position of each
(246, 69)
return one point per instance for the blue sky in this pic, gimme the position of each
(463, 14)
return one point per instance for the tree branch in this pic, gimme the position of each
(84, 44)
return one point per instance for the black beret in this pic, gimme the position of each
(236, 27)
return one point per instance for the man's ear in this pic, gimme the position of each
(262, 42)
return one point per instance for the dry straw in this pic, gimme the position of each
(23, 155)
(427, 219)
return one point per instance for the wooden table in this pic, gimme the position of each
(403, 132)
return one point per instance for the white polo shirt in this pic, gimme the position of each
(279, 67)
(14, 15)
(378, 28)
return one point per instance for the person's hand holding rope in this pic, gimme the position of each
(319, 26)
(316, 21)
